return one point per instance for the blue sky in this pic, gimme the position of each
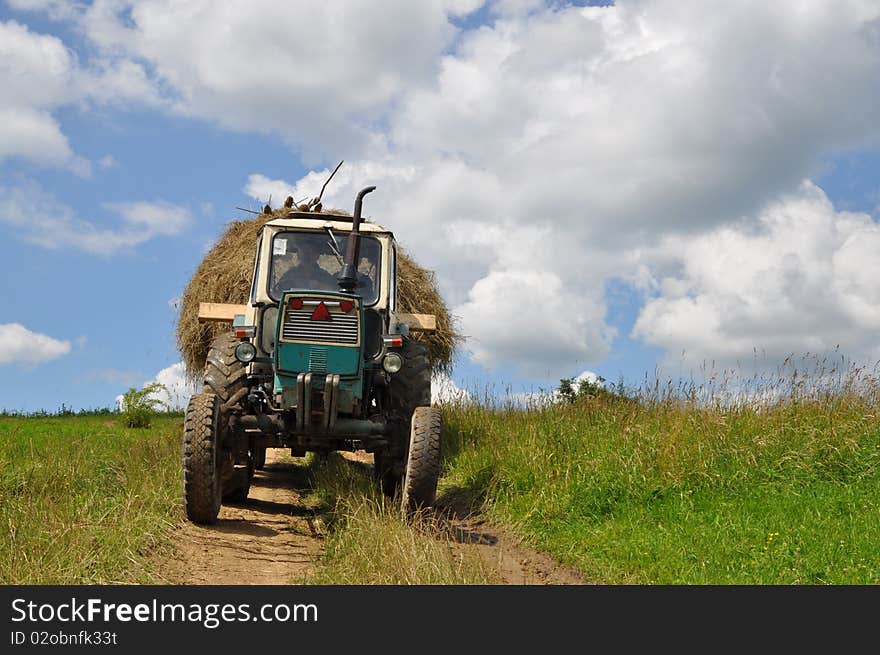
(646, 185)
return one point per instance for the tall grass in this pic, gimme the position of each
(725, 481)
(84, 499)
(371, 542)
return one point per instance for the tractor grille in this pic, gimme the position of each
(299, 326)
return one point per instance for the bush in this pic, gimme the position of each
(573, 390)
(139, 405)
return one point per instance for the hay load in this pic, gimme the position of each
(224, 276)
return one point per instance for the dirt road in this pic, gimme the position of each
(275, 537)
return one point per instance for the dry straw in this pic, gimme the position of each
(224, 276)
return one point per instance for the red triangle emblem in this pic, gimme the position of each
(321, 313)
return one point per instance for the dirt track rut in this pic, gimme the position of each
(275, 538)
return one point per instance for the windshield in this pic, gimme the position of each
(305, 260)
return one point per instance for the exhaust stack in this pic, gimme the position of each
(348, 274)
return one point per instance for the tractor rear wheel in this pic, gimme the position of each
(226, 377)
(411, 385)
(239, 483)
(224, 374)
(410, 388)
(201, 458)
(423, 460)
(388, 471)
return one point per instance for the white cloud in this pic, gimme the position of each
(154, 218)
(557, 147)
(318, 74)
(528, 319)
(178, 389)
(801, 278)
(445, 390)
(586, 376)
(263, 189)
(39, 75)
(60, 227)
(18, 345)
(33, 135)
(550, 150)
(35, 74)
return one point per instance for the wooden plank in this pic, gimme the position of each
(220, 312)
(419, 322)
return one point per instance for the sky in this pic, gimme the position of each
(622, 190)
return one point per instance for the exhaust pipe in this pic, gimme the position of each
(348, 274)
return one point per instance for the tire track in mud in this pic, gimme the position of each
(274, 538)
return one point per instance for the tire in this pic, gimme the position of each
(411, 385)
(410, 388)
(201, 458)
(388, 471)
(239, 484)
(260, 459)
(423, 460)
(224, 375)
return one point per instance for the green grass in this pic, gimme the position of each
(664, 488)
(84, 499)
(369, 541)
(678, 492)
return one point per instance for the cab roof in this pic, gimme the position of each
(312, 220)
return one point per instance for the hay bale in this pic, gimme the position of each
(224, 276)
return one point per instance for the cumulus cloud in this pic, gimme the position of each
(445, 390)
(35, 73)
(545, 152)
(527, 319)
(317, 74)
(801, 278)
(33, 135)
(40, 74)
(178, 390)
(18, 345)
(557, 146)
(60, 227)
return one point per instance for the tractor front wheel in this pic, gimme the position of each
(201, 458)
(423, 460)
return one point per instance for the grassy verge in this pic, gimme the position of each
(84, 499)
(669, 491)
(369, 542)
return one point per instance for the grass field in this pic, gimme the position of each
(84, 499)
(663, 489)
(660, 488)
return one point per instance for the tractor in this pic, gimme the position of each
(319, 360)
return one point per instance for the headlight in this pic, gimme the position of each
(392, 362)
(245, 352)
